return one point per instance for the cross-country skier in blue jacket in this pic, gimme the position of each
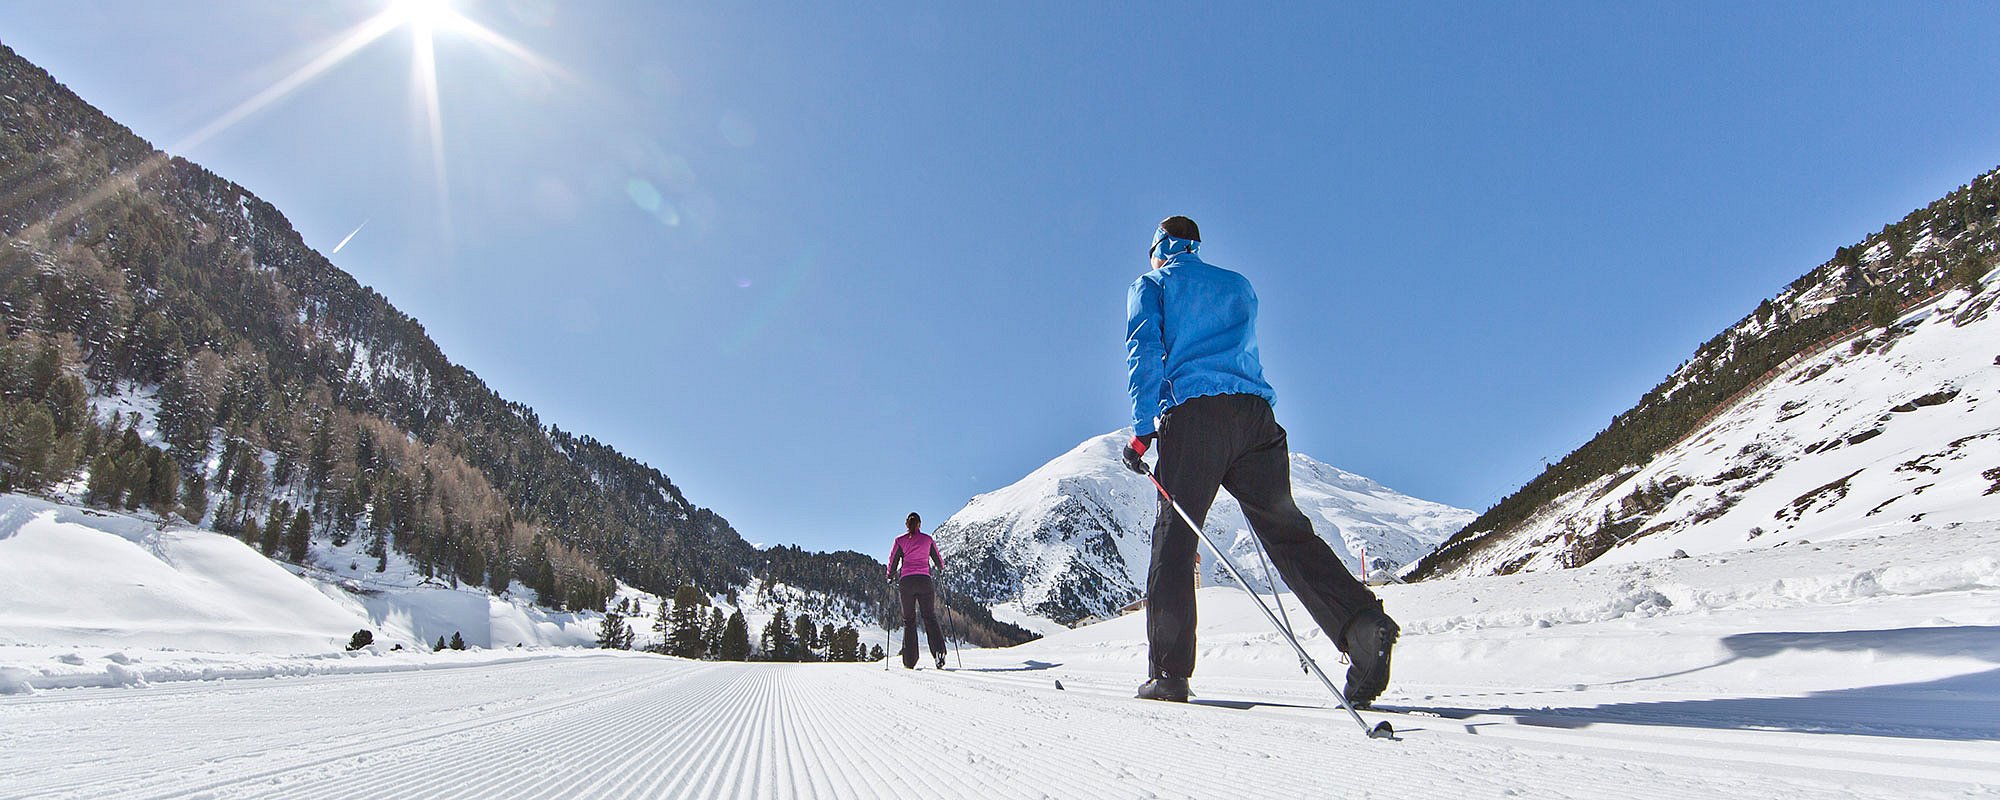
(1191, 343)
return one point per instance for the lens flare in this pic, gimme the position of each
(424, 18)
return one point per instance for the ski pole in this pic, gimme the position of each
(957, 648)
(1272, 576)
(1382, 730)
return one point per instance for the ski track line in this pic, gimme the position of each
(408, 748)
(496, 756)
(817, 739)
(711, 750)
(690, 718)
(732, 742)
(644, 728)
(1551, 738)
(1198, 760)
(490, 756)
(54, 777)
(886, 752)
(322, 750)
(1117, 767)
(633, 743)
(903, 734)
(978, 743)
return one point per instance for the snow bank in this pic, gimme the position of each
(76, 577)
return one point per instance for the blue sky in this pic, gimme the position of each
(825, 265)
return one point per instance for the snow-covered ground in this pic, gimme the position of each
(1868, 666)
(77, 577)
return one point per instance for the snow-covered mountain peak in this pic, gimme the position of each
(1071, 540)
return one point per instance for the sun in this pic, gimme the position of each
(425, 15)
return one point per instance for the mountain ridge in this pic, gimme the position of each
(1071, 540)
(1949, 244)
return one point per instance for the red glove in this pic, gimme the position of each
(1135, 452)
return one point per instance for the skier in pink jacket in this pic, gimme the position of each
(910, 564)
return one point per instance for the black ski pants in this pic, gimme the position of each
(919, 595)
(1233, 442)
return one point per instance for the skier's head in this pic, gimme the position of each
(913, 522)
(1176, 235)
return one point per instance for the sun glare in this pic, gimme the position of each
(425, 15)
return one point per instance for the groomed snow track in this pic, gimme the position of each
(620, 726)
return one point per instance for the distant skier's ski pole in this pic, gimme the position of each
(957, 648)
(1382, 730)
(885, 636)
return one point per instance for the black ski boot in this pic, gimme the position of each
(1165, 687)
(1369, 639)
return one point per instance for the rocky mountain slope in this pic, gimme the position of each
(1860, 398)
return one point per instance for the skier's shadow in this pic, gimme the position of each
(1978, 641)
(1960, 708)
(1245, 705)
(1026, 666)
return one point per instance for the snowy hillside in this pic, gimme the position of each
(1896, 430)
(1863, 668)
(1687, 452)
(1072, 539)
(113, 585)
(72, 577)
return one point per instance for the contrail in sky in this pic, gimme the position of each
(350, 237)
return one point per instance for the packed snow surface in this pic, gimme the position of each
(1863, 667)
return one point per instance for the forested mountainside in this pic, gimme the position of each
(270, 377)
(1948, 244)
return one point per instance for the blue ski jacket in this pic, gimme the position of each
(1190, 331)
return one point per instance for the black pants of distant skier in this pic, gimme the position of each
(920, 596)
(1233, 442)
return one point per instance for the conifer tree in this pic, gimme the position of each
(778, 638)
(274, 528)
(378, 546)
(685, 639)
(166, 484)
(104, 482)
(458, 642)
(613, 633)
(298, 537)
(736, 638)
(68, 404)
(29, 445)
(138, 479)
(844, 644)
(252, 534)
(805, 637)
(663, 627)
(194, 497)
(712, 633)
(440, 645)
